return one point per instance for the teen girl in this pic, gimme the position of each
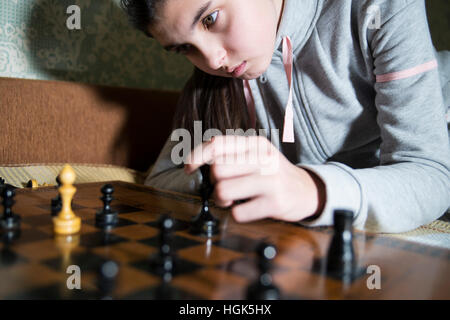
(352, 87)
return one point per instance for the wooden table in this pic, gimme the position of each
(34, 263)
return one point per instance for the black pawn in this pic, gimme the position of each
(9, 220)
(263, 288)
(165, 261)
(164, 264)
(3, 185)
(8, 235)
(9, 225)
(107, 279)
(29, 184)
(205, 224)
(106, 217)
(9, 256)
(341, 262)
(57, 201)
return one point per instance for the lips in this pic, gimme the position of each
(239, 70)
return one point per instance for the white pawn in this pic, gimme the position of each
(67, 222)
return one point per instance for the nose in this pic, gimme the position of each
(215, 57)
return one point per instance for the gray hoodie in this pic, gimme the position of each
(369, 117)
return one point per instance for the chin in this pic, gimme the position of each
(249, 77)
(255, 74)
(252, 75)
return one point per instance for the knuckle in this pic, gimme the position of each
(237, 214)
(215, 171)
(220, 192)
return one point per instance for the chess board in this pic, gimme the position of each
(34, 264)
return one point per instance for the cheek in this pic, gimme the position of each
(251, 37)
(240, 40)
(237, 39)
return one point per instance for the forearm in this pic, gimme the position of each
(391, 198)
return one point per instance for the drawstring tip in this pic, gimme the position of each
(288, 140)
(288, 135)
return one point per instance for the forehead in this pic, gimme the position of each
(175, 18)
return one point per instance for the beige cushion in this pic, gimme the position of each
(435, 234)
(19, 175)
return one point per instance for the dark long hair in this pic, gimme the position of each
(218, 102)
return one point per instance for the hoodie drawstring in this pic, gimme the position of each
(288, 124)
(250, 104)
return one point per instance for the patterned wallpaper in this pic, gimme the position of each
(35, 43)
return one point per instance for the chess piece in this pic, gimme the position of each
(205, 224)
(66, 222)
(57, 202)
(263, 288)
(32, 184)
(164, 263)
(9, 236)
(106, 217)
(9, 256)
(10, 229)
(3, 185)
(107, 279)
(9, 220)
(341, 262)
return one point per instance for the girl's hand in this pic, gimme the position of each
(252, 168)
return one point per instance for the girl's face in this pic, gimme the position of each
(221, 36)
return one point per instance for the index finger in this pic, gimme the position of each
(217, 147)
(200, 155)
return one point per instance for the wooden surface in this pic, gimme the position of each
(34, 265)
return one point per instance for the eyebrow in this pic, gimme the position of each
(197, 17)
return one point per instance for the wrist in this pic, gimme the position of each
(320, 195)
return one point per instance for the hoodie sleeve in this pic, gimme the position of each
(411, 186)
(165, 174)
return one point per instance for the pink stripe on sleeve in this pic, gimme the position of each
(408, 72)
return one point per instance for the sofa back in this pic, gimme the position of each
(58, 122)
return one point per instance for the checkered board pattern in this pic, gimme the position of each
(34, 264)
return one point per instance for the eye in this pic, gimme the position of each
(211, 19)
